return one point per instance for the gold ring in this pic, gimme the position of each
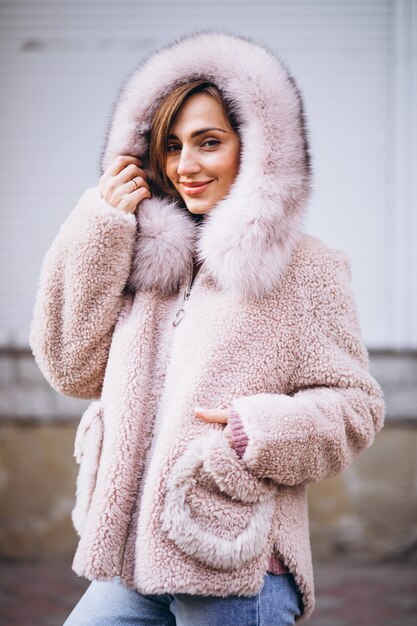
(136, 185)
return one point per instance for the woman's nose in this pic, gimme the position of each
(187, 163)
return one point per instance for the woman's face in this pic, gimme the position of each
(197, 155)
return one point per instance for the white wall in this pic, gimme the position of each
(62, 63)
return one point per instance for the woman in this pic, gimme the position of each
(219, 342)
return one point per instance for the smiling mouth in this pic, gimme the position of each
(195, 189)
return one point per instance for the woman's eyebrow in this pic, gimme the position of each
(196, 133)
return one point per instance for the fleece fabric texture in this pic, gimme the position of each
(270, 329)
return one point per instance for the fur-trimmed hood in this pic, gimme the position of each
(246, 240)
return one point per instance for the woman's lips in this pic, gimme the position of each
(194, 191)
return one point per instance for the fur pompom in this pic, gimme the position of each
(163, 248)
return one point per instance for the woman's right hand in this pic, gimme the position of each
(116, 186)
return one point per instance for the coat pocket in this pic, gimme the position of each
(215, 510)
(87, 452)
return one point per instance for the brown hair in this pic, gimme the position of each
(162, 122)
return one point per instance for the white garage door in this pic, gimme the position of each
(355, 61)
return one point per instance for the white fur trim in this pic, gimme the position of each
(185, 531)
(87, 452)
(247, 239)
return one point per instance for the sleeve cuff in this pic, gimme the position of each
(237, 430)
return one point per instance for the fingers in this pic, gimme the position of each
(129, 188)
(129, 173)
(218, 416)
(116, 186)
(123, 170)
(129, 201)
(119, 163)
(124, 196)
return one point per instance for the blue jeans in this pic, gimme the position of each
(111, 603)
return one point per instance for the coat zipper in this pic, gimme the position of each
(178, 317)
(181, 312)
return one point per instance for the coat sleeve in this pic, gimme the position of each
(80, 294)
(239, 438)
(335, 407)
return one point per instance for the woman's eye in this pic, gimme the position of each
(212, 141)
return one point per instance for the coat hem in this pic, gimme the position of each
(307, 599)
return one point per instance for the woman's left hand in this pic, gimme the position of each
(215, 416)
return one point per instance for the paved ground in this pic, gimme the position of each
(43, 594)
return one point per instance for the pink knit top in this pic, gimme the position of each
(240, 441)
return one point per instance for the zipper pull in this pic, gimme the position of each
(181, 312)
(178, 317)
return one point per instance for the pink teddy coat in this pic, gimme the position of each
(270, 328)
